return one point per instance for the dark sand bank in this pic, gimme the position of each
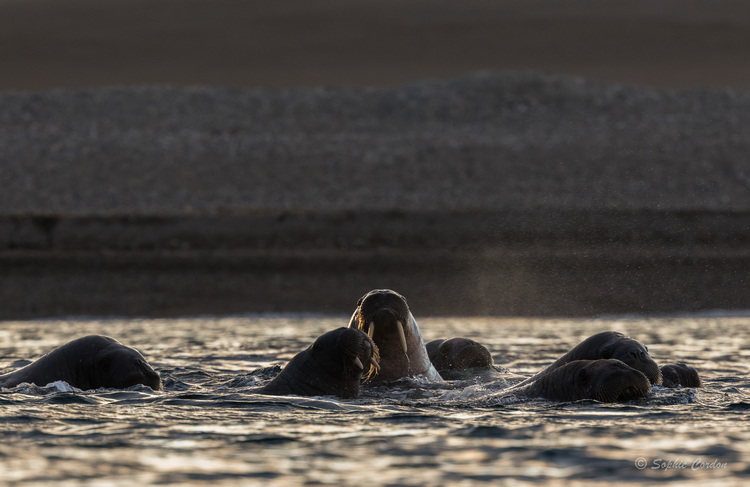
(495, 193)
(47, 44)
(464, 263)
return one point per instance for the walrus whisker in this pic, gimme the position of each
(401, 336)
(371, 330)
(374, 364)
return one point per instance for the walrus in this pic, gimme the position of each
(334, 364)
(384, 315)
(459, 358)
(90, 362)
(604, 380)
(609, 345)
(676, 375)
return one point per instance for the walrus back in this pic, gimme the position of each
(41, 372)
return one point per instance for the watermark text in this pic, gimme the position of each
(679, 464)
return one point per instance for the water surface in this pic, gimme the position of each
(209, 427)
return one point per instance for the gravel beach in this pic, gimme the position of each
(487, 141)
(134, 190)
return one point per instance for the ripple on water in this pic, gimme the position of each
(738, 406)
(210, 427)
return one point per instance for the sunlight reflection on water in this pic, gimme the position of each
(209, 427)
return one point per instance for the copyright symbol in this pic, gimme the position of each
(640, 463)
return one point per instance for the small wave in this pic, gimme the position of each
(484, 432)
(241, 383)
(738, 406)
(35, 390)
(408, 418)
(665, 397)
(474, 392)
(70, 398)
(267, 439)
(307, 403)
(172, 384)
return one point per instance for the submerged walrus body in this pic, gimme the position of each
(90, 362)
(680, 375)
(384, 315)
(459, 358)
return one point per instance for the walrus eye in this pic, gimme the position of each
(606, 353)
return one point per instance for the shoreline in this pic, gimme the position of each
(642, 264)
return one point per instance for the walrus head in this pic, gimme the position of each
(118, 366)
(385, 317)
(458, 355)
(604, 380)
(334, 364)
(632, 353)
(356, 356)
(681, 374)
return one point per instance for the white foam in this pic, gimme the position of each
(61, 386)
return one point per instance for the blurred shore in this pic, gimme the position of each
(570, 263)
(248, 43)
(192, 157)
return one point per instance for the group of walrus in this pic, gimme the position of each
(382, 343)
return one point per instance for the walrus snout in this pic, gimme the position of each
(151, 377)
(669, 377)
(636, 355)
(360, 352)
(618, 382)
(648, 367)
(629, 393)
(386, 323)
(141, 373)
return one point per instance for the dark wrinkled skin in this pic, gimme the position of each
(680, 375)
(384, 308)
(90, 362)
(604, 380)
(327, 367)
(609, 345)
(459, 358)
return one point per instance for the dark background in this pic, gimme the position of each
(629, 200)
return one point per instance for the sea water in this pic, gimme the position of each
(209, 427)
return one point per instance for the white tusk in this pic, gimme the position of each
(358, 363)
(401, 336)
(371, 330)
